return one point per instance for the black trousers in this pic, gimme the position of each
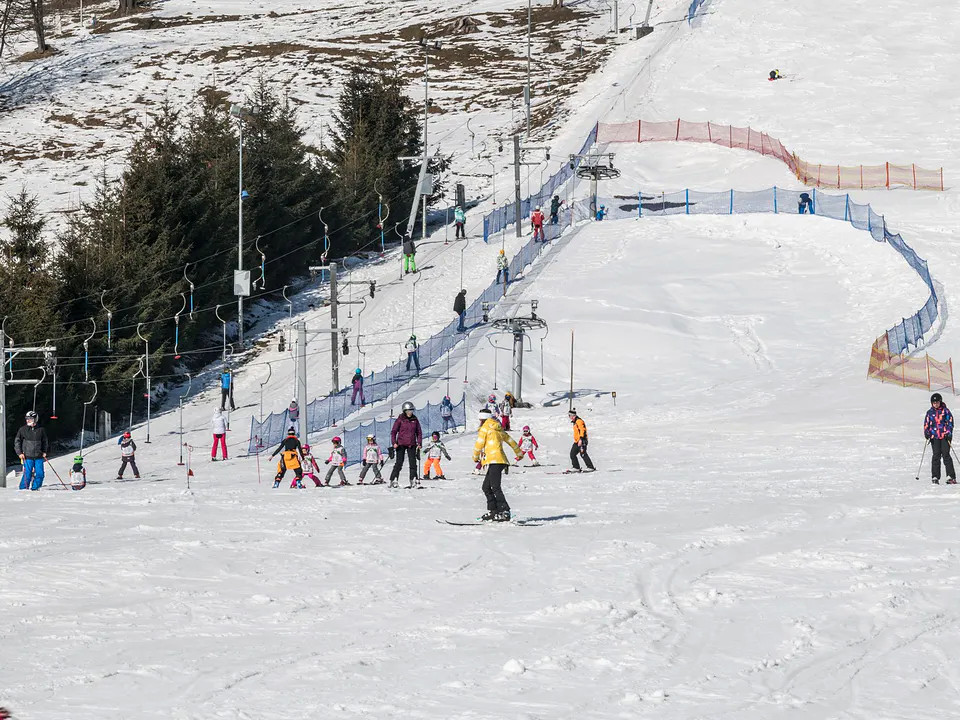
(575, 454)
(411, 452)
(941, 448)
(496, 502)
(136, 472)
(460, 231)
(226, 394)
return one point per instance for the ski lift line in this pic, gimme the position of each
(263, 266)
(83, 423)
(109, 321)
(86, 351)
(190, 282)
(176, 321)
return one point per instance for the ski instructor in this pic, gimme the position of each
(31, 445)
(489, 451)
(406, 436)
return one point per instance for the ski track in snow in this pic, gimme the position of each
(765, 551)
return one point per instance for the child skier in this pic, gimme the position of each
(78, 475)
(536, 221)
(434, 450)
(336, 461)
(503, 268)
(938, 430)
(357, 384)
(372, 458)
(128, 449)
(290, 452)
(505, 411)
(528, 443)
(293, 416)
(312, 469)
(446, 414)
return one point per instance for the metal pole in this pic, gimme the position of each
(240, 236)
(527, 98)
(3, 409)
(646, 20)
(518, 363)
(302, 367)
(516, 183)
(334, 348)
(616, 18)
(147, 375)
(570, 402)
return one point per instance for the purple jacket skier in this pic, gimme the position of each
(358, 388)
(406, 437)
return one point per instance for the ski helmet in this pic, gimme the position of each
(491, 398)
(526, 428)
(435, 435)
(78, 459)
(936, 398)
(407, 406)
(485, 414)
(293, 403)
(306, 448)
(501, 252)
(359, 372)
(371, 437)
(291, 431)
(31, 415)
(126, 434)
(336, 439)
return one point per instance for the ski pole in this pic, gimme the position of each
(921, 458)
(56, 473)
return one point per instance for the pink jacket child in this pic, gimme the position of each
(528, 443)
(337, 461)
(311, 470)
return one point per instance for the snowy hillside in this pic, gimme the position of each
(754, 544)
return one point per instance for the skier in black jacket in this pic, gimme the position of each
(31, 445)
(291, 456)
(460, 308)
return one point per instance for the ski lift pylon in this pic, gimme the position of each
(109, 322)
(86, 351)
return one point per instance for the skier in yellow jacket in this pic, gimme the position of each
(489, 450)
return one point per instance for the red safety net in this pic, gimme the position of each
(815, 174)
(919, 371)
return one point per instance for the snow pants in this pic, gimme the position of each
(123, 466)
(449, 423)
(366, 468)
(576, 451)
(941, 448)
(506, 276)
(538, 232)
(496, 502)
(460, 231)
(432, 463)
(353, 399)
(32, 474)
(226, 394)
(409, 263)
(220, 440)
(331, 470)
(411, 452)
(415, 359)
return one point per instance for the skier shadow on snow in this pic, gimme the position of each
(552, 518)
(561, 396)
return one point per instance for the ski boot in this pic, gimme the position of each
(300, 485)
(951, 481)
(935, 481)
(536, 463)
(488, 516)
(276, 484)
(441, 477)
(379, 481)
(394, 484)
(502, 516)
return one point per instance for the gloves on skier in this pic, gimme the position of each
(326, 462)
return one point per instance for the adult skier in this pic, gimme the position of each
(503, 268)
(805, 205)
(579, 447)
(409, 255)
(413, 354)
(446, 414)
(460, 308)
(31, 446)
(128, 453)
(291, 454)
(938, 430)
(406, 436)
(489, 451)
(219, 426)
(460, 220)
(434, 449)
(357, 383)
(536, 221)
(226, 389)
(555, 203)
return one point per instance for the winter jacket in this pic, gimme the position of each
(579, 429)
(357, 380)
(555, 204)
(293, 412)
(494, 408)
(536, 219)
(127, 447)
(372, 454)
(489, 447)
(938, 423)
(528, 441)
(435, 450)
(408, 247)
(31, 442)
(459, 216)
(411, 345)
(338, 456)
(502, 262)
(219, 423)
(406, 431)
(225, 380)
(310, 462)
(289, 444)
(446, 408)
(505, 408)
(460, 304)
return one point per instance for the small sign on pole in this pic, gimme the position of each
(241, 283)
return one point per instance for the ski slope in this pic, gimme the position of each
(754, 544)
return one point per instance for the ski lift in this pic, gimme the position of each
(50, 362)
(381, 216)
(326, 243)
(180, 404)
(83, 423)
(224, 322)
(186, 267)
(37, 384)
(109, 322)
(86, 351)
(133, 386)
(263, 267)
(176, 322)
(290, 322)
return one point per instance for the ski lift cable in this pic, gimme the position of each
(176, 322)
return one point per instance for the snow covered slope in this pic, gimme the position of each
(753, 546)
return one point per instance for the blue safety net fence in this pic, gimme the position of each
(355, 439)
(906, 334)
(330, 410)
(499, 219)
(694, 6)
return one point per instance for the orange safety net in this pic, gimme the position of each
(815, 174)
(909, 371)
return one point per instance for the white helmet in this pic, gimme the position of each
(407, 406)
(485, 414)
